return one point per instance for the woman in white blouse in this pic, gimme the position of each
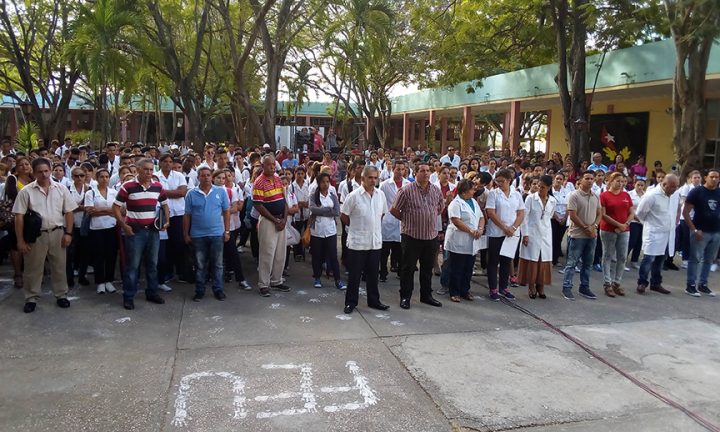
(324, 208)
(636, 227)
(466, 225)
(230, 252)
(77, 254)
(559, 218)
(536, 249)
(505, 210)
(103, 235)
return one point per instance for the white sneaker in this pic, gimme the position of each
(101, 288)
(635, 265)
(109, 287)
(164, 288)
(240, 249)
(244, 285)
(90, 269)
(627, 268)
(684, 264)
(713, 268)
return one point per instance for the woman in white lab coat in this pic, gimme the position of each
(466, 225)
(537, 241)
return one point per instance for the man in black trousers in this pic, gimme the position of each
(362, 212)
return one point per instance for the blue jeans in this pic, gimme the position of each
(580, 251)
(145, 243)
(703, 251)
(208, 255)
(651, 266)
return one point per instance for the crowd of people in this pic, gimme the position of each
(188, 216)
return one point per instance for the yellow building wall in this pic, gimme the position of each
(660, 127)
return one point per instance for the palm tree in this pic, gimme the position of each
(104, 45)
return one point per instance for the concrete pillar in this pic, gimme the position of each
(406, 131)
(307, 121)
(468, 130)
(421, 137)
(431, 130)
(513, 127)
(443, 135)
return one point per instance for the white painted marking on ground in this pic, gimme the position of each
(306, 392)
(362, 291)
(122, 320)
(397, 323)
(181, 412)
(275, 306)
(73, 298)
(343, 317)
(360, 384)
(306, 319)
(216, 330)
(382, 316)
(301, 292)
(314, 300)
(324, 295)
(216, 318)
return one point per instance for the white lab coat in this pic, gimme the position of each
(458, 241)
(658, 214)
(391, 224)
(536, 225)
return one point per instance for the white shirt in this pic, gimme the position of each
(93, 198)
(455, 161)
(325, 226)
(391, 224)
(237, 196)
(206, 164)
(635, 201)
(190, 178)
(560, 200)
(344, 190)
(658, 213)
(597, 189)
(386, 174)
(536, 226)
(302, 194)
(683, 191)
(458, 241)
(506, 208)
(79, 198)
(366, 212)
(173, 181)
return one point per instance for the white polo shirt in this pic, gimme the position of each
(365, 211)
(172, 182)
(506, 208)
(94, 199)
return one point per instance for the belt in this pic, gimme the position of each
(52, 229)
(145, 227)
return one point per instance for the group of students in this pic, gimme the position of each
(512, 213)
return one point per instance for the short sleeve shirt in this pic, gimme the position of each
(706, 204)
(585, 206)
(268, 191)
(617, 207)
(52, 206)
(506, 208)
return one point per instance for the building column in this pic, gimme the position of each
(421, 137)
(547, 134)
(406, 131)
(513, 127)
(431, 131)
(468, 130)
(307, 121)
(443, 135)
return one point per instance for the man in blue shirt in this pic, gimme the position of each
(206, 225)
(703, 204)
(597, 164)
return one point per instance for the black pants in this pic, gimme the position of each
(104, 248)
(77, 256)
(682, 242)
(324, 250)
(597, 259)
(496, 262)
(460, 267)
(343, 245)
(393, 250)
(363, 262)
(177, 253)
(558, 231)
(232, 257)
(635, 242)
(414, 250)
(299, 249)
(254, 241)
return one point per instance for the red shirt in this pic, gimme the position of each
(617, 207)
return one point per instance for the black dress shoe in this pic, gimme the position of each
(431, 301)
(63, 303)
(82, 280)
(379, 306)
(405, 303)
(220, 295)
(154, 298)
(197, 297)
(383, 278)
(129, 304)
(348, 309)
(29, 307)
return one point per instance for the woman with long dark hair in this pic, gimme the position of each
(536, 249)
(103, 237)
(324, 208)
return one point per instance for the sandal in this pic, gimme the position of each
(18, 281)
(456, 299)
(532, 292)
(468, 297)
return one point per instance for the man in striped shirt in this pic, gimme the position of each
(140, 197)
(417, 205)
(269, 200)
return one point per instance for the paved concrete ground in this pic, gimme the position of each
(294, 362)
